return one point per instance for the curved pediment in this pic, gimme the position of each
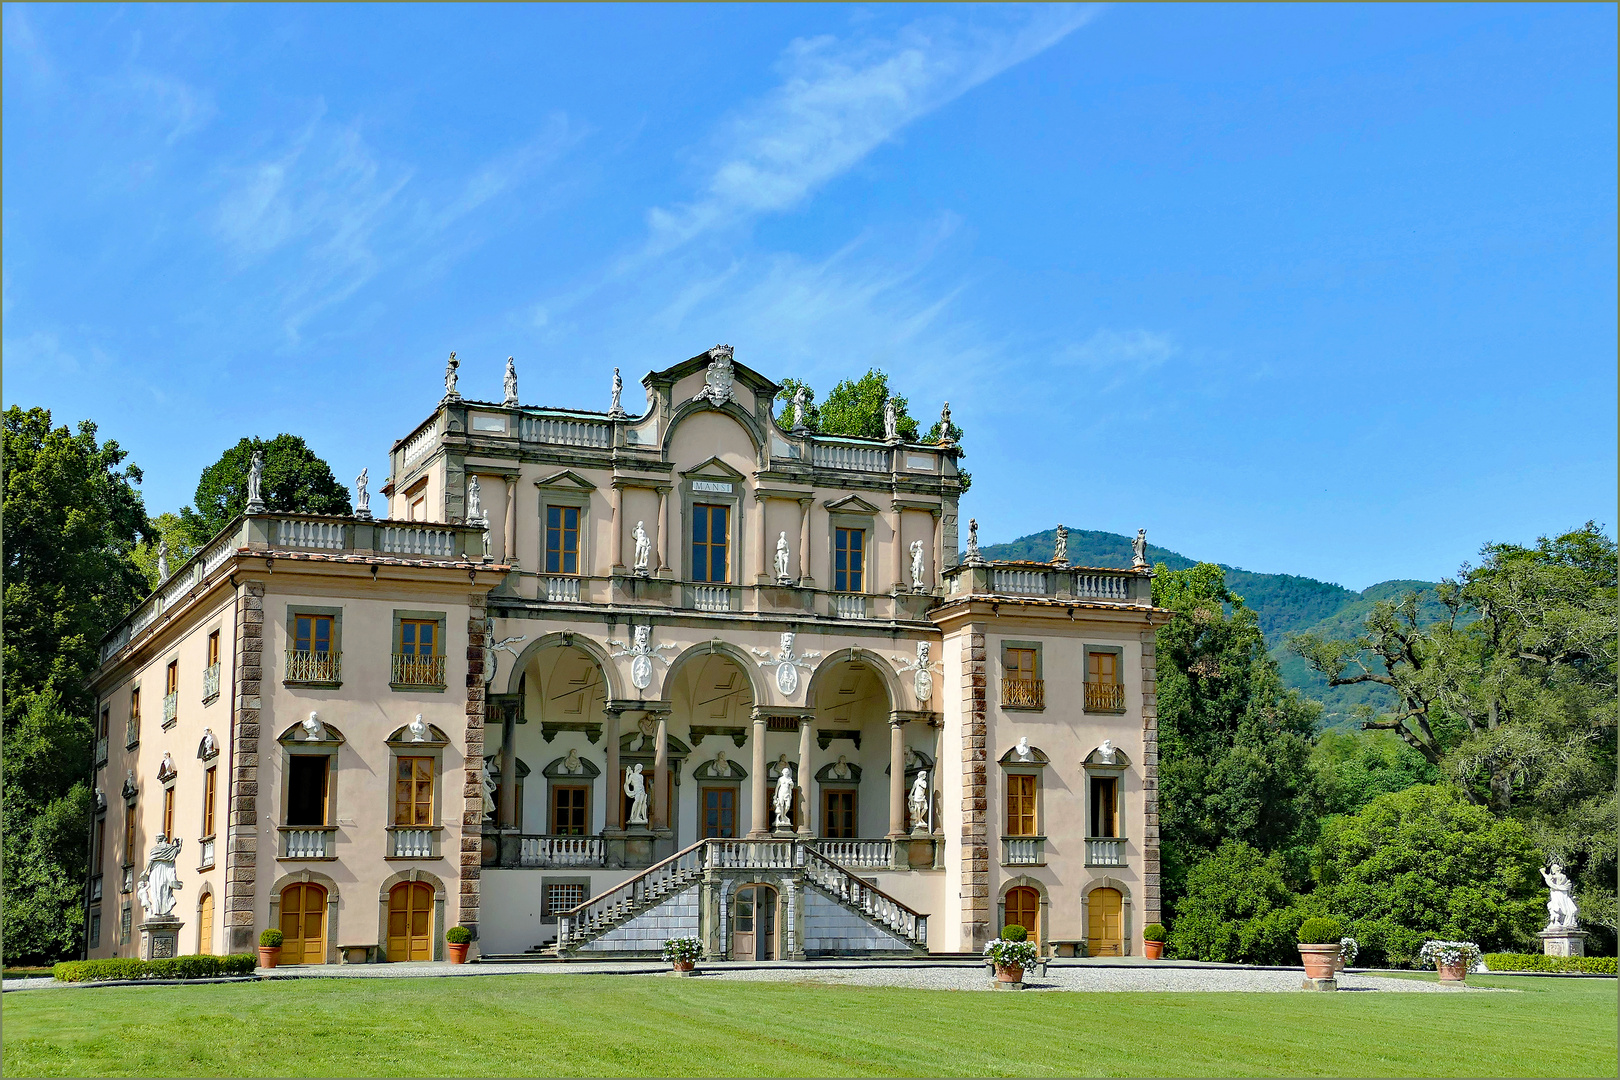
(571, 767)
(1024, 754)
(418, 734)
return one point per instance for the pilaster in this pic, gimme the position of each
(975, 894)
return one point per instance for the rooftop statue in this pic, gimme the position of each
(450, 379)
(511, 383)
(1139, 551)
(973, 556)
(1060, 551)
(255, 501)
(362, 497)
(891, 420)
(800, 397)
(163, 560)
(616, 409)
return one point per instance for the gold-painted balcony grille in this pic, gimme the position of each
(418, 670)
(1105, 697)
(1023, 693)
(312, 666)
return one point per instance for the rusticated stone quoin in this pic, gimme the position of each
(242, 838)
(975, 823)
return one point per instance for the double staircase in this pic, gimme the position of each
(709, 863)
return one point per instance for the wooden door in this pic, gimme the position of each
(753, 923)
(303, 924)
(719, 812)
(1105, 932)
(1024, 909)
(410, 921)
(205, 926)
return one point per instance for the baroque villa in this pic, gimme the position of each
(595, 680)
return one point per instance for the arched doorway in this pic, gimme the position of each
(1023, 908)
(205, 925)
(303, 924)
(754, 923)
(1105, 926)
(410, 921)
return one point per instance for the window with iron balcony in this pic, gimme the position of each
(171, 694)
(1104, 692)
(1021, 684)
(419, 662)
(314, 658)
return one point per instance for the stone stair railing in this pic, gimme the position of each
(863, 898)
(602, 913)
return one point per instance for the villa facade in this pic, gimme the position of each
(593, 680)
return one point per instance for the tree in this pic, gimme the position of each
(1352, 768)
(1234, 743)
(1427, 863)
(295, 480)
(855, 408)
(1239, 909)
(170, 530)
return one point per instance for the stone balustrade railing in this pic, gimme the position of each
(205, 853)
(857, 854)
(437, 542)
(834, 455)
(404, 843)
(562, 590)
(419, 443)
(306, 843)
(548, 851)
(849, 605)
(1053, 581)
(1105, 851)
(1023, 850)
(712, 597)
(305, 533)
(1019, 582)
(566, 431)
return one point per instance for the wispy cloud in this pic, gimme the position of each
(1119, 356)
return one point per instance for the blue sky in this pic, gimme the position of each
(1324, 290)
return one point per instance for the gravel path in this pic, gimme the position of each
(1149, 979)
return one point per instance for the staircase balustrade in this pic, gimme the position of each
(861, 854)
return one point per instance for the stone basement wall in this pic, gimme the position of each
(678, 916)
(831, 928)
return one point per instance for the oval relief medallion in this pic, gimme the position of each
(787, 679)
(641, 672)
(923, 685)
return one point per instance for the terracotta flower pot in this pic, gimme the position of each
(1153, 950)
(458, 953)
(268, 957)
(683, 965)
(1457, 972)
(1009, 973)
(1319, 960)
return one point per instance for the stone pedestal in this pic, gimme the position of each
(1320, 984)
(1555, 942)
(160, 938)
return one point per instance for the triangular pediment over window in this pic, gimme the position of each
(713, 468)
(851, 504)
(567, 480)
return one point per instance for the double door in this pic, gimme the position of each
(754, 923)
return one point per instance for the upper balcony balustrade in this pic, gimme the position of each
(1054, 582)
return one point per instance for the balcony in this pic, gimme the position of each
(1105, 851)
(857, 854)
(562, 590)
(313, 668)
(1023, 851)
(171, 708)
(205, 853)
(849, 605)
(306, 843)
(1023, 693)
(210, 683)
(411, 843)
(101, 751)
(127, 883)
(417, 671)
(1105, 697)
(713, 598)
(132, 733)
(549, 851)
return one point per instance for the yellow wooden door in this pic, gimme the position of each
(303, 924)
(205, 926)
(410, 921)
(1024, 909)
(1105, 935)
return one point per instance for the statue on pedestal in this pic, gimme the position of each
(1561, 904)
(917, 567)
(255, 500)
(800, 398)
(917, 802)
(891, 421)
(511, 383)
(1060, 550)
(643, 549)
(163, 560)
(635, 786)
(616, 409)
(158, 883)
(362, 497)
(1139, 551)
(782, 559)
(973, 556)
(782, 803)
(450, 379)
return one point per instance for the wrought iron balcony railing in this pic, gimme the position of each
(210, 683)
(1105, 697)
(1023, 693)
(418, 670)
(313, 667)
(171, 707)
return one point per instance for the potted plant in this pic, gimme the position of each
(269, 948)
(683, 953)
(1451, 958)
(458, 938)
(1011, 953)
(1348, 951)
(1319, 946)
(1153, 941)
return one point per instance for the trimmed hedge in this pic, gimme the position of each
(180, 967)
(1513, 961)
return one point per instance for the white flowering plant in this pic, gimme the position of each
(1011, 953)
(682, 950)
(1449, 952)
(1348, 950)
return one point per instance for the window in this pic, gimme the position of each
(209, 779)
(95, 929)
(124, 924)
(313, 645)
(719, 812)
(413, 791)
(105, 724)
(213, 649)
(569, 810)
(418, 510)
(99, 844)
(709, 550)
(563, 896)
(171, 680)
(133, 731)
(1020, 664)
(168, 811)
(849, 560)
(562, 539)
(312, 633)
(1104, 806)
(129, 834)
(1021, 805)
(1103, 690)
(838, 815)
(418, 637)
(419, 662)
(306, 790)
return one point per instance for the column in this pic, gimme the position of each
(507, 817)
(805, 577)
(760, 563)
(939, 550)
(660, 814)
(806, 774)
(615, 786)
(511, 520)
(897, 778)
(663, 528)
(618, 527)
(759, 825)
(899, 547)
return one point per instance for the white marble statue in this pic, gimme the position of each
(973, 555)
(362, 497)
(782, 802)
(800, 398)
(1023, 749)
(917, 801)
(210, 744)
(1105, 752)
(163, 560)
(720, 766)
(1139, 551)
(635, 786)
(891, 420)
(255, 500)
(841, 769)
(1561, 904)
(718, 379)
(917, 566)
(166, 769)
(489, 785)
(158, 883)
(418, 730)
(642, 653)
(786, 663)
(945, 425)
(511, 383)
(1060, 550)
(782, 558)
(616, 408)
(475, 501)
(450, 378)
(572, 765)
(314, 730)
(643, 548)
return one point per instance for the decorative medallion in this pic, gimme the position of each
(787, 665)
(922, 669)
(718, 380)
(642, 654)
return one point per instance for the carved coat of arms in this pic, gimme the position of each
(922, 673)
(719, 379)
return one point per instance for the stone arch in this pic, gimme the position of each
(757, 685)
(568, 639)
(440, 899)
(885, 673)
(1024, 881)
(296, 877)
(746, 420)
(1126, 922)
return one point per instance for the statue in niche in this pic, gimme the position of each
(450, 378)
(163, 560)
(362, 497)
(841, 769)
(489, 786)
(635, 786)
(159, 882)
(572, 765)
(718, 380)
(1561, 908)
(255, 500)
(1060, 550)
(917, 567)
(643, 549)
(314, 730)
(1139, 551)
(917, 802)
(782, 802)
(973, 556)
(511, 382)
(418, 730)
(475, 501)
(891, 420)
(800, 399)
(616, 409)
(1105, 752)
(782, 559)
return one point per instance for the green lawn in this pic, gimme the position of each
(565, 1025)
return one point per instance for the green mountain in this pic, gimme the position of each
(1285, 604)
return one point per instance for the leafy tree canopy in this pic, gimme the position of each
(295, 480)
(1239, 909)
(855, 408)
(171, 530)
